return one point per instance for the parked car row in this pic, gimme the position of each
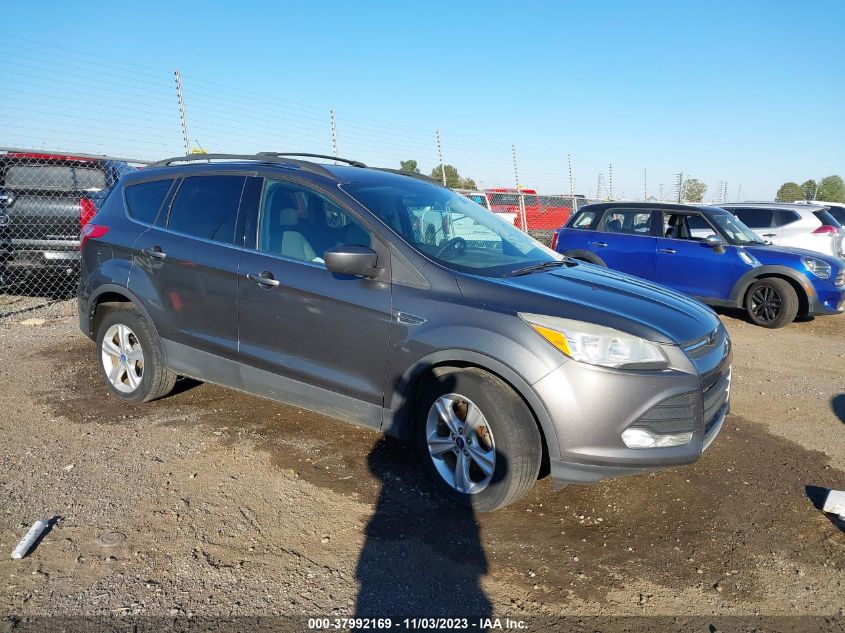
(45, 200)
(709, 253)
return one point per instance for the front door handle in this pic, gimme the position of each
(155, 252)
(600, 244)
(264, 279)
(668, 251)
(770, 234)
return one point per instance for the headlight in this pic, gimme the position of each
(597, 345)
(748, 258)
(819, 268)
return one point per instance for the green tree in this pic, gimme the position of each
(409, 166)
(453, 178)
(809, 187)
(789, 192)
(831, 189)
(693, 190)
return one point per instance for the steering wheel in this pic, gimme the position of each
(459, 244)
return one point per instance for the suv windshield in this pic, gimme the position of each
(734, 230)
(450, 229)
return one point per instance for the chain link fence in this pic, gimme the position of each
(45, 200)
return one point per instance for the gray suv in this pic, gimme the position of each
(390, 301)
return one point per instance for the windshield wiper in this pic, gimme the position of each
(540, 267)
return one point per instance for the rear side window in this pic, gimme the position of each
(755, 218)
(631, 221)
(207, 207)
(144, 200)
(584, 220)
(55, 177)
(787, 217)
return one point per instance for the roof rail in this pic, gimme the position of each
(428, 179)
(348, 161)
(264, 157)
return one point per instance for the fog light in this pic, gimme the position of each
(643, 438)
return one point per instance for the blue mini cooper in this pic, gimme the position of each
(708, 253)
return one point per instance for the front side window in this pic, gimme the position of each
(144, 200)
(450, 229)
(686, 226)
(298, 223)
(207, 207)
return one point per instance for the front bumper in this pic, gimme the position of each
(828, 300)
(592, 406)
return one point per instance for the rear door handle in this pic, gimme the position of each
(155, 252)
(600, 244)
(668, 251)
(264, 279)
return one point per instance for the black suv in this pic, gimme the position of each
(390, 301)
(45, 199)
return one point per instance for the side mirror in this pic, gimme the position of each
(352, 259)
(715, 242)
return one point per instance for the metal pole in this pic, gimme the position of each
(680, 185)
(610, 181)
(182, 114)
(572, 184)
(645, 183)
(440, 154)
(334, 132)
(522, 217)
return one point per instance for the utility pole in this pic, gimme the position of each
(660, 192)
(572, 184)
(610, 181)
(680, 186)
(334, 133)
(440, 154)
(645, 183)
(182, 114)
(725, 196)
(739, 194)
(522, 218)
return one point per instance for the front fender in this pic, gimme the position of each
(771, 270)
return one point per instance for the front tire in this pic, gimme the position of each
(477, 439)
(130, 357)
(771, 302)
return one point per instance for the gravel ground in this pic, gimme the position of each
(214, 503)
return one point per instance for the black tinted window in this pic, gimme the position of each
(838, 213)
(207, 207)
(787, 217)
(144, 200)
(755, 218)
(632, 221)
(827, 218)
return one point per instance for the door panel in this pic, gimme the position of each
(299, 322)
(694, 268)
(625, 241)
(186, 271)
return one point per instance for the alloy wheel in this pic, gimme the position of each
(122, 358)
(460, 443)
(766, 303)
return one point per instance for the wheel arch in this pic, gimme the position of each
(399, 420)
(113, 295)
(802, 286)
(584, 255)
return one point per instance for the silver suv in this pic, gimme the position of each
(392, 302)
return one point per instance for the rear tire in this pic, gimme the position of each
(489, 453)
(771, 302)
(130, 357)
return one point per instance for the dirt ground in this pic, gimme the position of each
(214, 503)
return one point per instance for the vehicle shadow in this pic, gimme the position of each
(422, 555)
(817, 496)
(837, 403)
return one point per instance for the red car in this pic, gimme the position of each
(543, 214)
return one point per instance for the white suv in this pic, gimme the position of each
(808, 226)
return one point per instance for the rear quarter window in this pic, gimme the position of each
(585, 220)
(144, 200)
(826, 218)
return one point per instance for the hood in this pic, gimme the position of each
(598, 295)
(768, 254)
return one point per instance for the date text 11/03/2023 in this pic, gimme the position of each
(414, 624)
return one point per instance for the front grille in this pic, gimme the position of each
(673, 415)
